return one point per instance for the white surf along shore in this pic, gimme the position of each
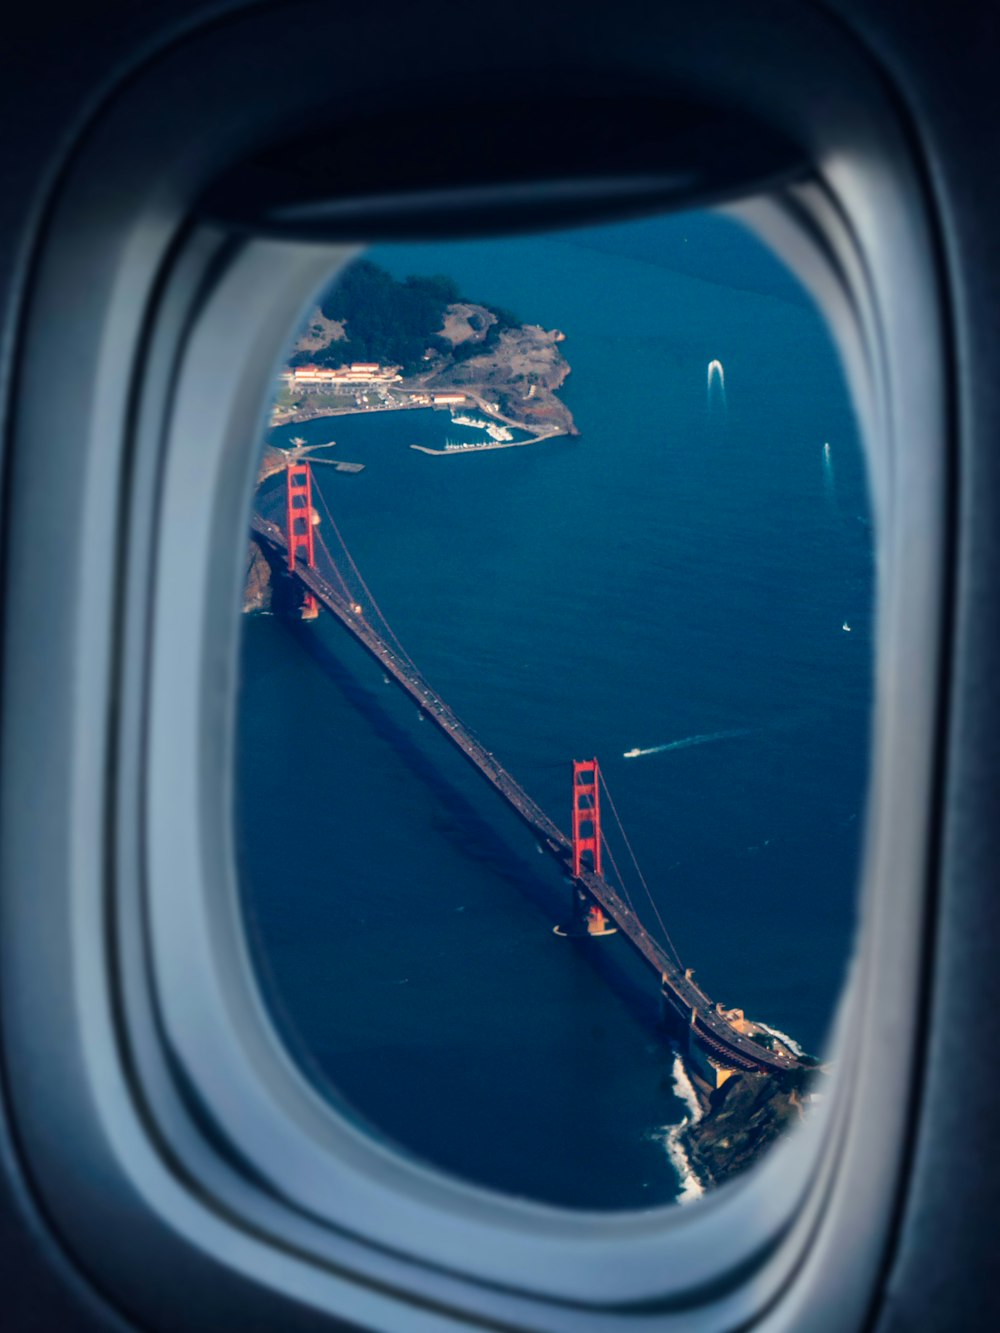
(670, 1135)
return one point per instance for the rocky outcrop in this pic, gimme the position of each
(743, 1119)
(257, 585)
(271, 461)
(521, 373)
(466, 322)
(320, 332)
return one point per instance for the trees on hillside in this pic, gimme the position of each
(390, 321)
(387, 321)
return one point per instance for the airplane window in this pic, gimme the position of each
(554, 713)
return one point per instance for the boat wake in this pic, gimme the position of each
(670, 1135)
(783, 1037)
(688, 741)
(716, 377)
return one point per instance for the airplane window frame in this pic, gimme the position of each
(144, 1088)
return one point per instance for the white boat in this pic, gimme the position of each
(632, 754)
(846, 627)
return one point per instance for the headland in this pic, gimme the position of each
(378, 344)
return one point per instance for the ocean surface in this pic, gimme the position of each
(674, 580)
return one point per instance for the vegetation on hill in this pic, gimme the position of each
(392, 322)
(744, 1118)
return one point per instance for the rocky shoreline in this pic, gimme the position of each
(740, 1120)
(516, 381)
(257, 584)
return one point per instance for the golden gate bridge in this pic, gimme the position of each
(298, 548)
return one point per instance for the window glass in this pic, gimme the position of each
(583, 582)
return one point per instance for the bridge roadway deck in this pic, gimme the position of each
(691, 1005)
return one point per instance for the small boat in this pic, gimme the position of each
(633, 753)
(846, 627)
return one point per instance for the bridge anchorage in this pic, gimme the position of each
(588, 916)
(722, 1041)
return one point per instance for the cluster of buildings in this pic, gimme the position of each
(439, 399)
(359, 372)
(368, 375)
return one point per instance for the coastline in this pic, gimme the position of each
(288, 417)
(488, 445)
(690, 1184)
(511, 380)
(292, 416)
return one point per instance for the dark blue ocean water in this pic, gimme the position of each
(680, 569)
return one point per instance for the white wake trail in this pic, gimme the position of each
(829, 479)
(686, 742)
(716, 375)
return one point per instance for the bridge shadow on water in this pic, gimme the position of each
(478, 839)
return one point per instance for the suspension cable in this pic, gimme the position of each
(419, 675)
(618, 875)
(318, 536)
(364, 586)
(642, 879)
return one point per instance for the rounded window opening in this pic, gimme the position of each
(554, 716)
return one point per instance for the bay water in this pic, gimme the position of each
(691, 577)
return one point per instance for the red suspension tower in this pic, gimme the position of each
(587, 838)
(586, 815)
(300, 519)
